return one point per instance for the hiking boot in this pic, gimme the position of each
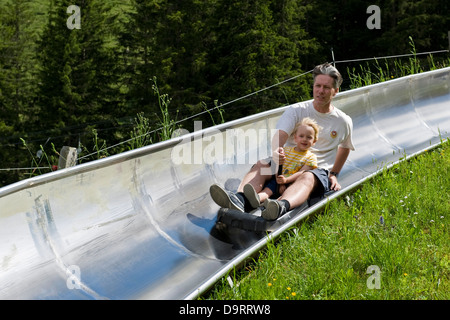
(273, 210)
(225, 199)
(252, 196)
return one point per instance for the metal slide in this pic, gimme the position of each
(141, 225)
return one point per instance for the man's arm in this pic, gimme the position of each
(278, 140)
(341, 157)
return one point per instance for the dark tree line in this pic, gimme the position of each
(59, 84)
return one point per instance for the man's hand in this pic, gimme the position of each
(278, 156)
(334, 185)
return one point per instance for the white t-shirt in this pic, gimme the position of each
(335, 130)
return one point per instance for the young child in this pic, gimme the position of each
(298, 160)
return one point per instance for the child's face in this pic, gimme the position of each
(304, 137)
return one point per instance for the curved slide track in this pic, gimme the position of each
(141, 224)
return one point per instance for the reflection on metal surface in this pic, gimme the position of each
(140, 226)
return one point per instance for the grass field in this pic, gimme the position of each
(386, 240)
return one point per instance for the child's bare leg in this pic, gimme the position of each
(281, 188)
(265, 194)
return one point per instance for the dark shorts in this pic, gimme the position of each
(324, 183)
(273, 186)
(321, 175)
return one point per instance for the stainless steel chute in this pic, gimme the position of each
(141, 224)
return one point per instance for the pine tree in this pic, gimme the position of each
(77, 72)
(296, 50)
(138, 41)
(170, 41)
(259, 44)
(19, 31)
(427, 22)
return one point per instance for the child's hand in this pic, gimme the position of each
(281, 179)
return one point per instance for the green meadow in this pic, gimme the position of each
(386, 240)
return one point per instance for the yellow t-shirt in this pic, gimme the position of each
(295, 160)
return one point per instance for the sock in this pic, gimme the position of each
(241, 197)
(247, 206)
(286, 204)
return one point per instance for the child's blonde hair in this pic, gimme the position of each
(308, 122)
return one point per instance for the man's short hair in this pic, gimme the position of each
(329, 70)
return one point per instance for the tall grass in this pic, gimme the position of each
(398, 222)
(380, 71)
(41, 160)
(167, 124)
(142, 134)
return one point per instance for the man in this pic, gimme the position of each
(332, 150)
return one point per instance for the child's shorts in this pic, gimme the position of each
(320, 173)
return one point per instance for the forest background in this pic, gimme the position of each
(91, 86)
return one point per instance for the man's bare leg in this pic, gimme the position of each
(299, 191)
(257, 177)
(296, 194)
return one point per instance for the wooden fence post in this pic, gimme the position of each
(67, 157)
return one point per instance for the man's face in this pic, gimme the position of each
(323, 90)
